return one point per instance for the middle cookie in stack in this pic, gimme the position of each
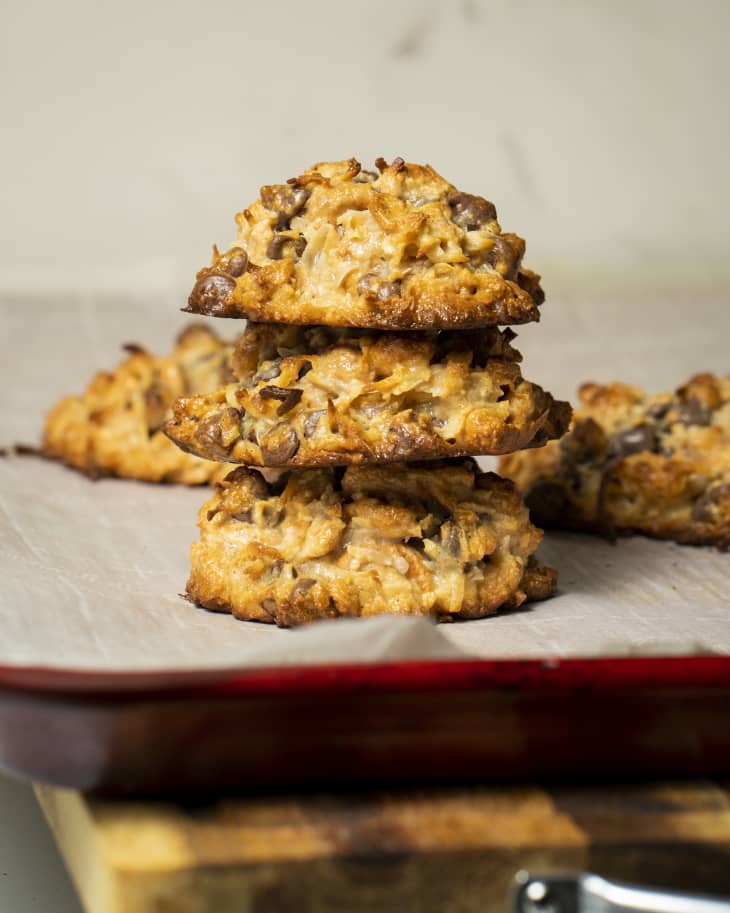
(393, 269)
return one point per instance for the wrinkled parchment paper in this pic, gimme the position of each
(91, 571)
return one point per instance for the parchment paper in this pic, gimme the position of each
(91, 571)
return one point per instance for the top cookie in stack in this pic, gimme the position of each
(403, 250)
(358, 287)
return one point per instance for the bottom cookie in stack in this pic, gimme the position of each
(437, 538)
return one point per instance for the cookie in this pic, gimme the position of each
(399, 250)
(313, 396)
(657, 465)
(114, 427)
(437, 539)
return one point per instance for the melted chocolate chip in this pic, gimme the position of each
(279, 445)
(658, 410)
(210, 432)
(635, 440)
(244, 516)
(546, 502)
(290, 402)
(694, 412)
(470, 212)
(236, 262)
(502, 256)
(286, 200)
(281, 246)
(210, 294)
(530, 282)
(275, 249)
(302, 587)
(304, 368)
(416, 543)
(258, 486)
(288, 397)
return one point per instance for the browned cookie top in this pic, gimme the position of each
(656, 464)
(403, 249)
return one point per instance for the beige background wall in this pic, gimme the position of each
(132, 132)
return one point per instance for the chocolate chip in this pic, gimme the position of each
(706, 508)
(273, 392)
(288, 397)
(236, 262)
(243, 516)
(693, 412)
(302, 587)
(304, 368)
(290, 402)
(210, 294)
(286, 201)
(470, 212)
(277, 485)
(502, 256)
(212, 513)
(275, 250)
(258, 485)
(134, 349)
(210, 432)
(309, 426)
(279, 445)
(416, 543)
(546, 502)
(635, 440)
(658, 410)
(389, 290)
(281, 246)
(530, 282)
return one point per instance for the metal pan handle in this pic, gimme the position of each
(586, 893)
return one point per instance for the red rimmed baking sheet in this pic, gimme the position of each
(447, 720)
(91, 573)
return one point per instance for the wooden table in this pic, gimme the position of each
(446, 851)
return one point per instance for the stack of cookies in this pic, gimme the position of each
(370, 373)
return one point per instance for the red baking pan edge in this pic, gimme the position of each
(160, 733)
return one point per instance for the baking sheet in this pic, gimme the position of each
(91, 571)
